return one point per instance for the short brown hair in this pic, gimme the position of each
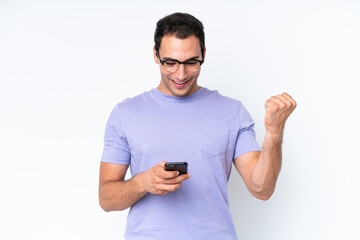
(182, 25)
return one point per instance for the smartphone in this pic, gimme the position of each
(177, 166)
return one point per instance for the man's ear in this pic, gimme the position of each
(204, 53)
(155, 56)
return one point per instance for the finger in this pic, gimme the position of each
(270, 105)
(160, 192)
(290, 99)
(172, 181)
(279, 102)
(287, 95)
(285, 100)
(177, 179)
(160, 172)
(168, 174)
(168, 187)
(162, 164)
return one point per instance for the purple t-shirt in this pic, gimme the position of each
(205, 129)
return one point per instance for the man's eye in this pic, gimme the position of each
(170, 63)
(191, 63)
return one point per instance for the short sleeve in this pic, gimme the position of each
(116, 148)
(246, 139)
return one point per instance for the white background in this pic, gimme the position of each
(65, 64)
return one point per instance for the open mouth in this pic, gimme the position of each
(180, 84)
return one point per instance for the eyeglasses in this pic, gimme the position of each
(172, 65)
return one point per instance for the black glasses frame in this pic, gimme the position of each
(174, 60)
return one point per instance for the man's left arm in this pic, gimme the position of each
(260, 170)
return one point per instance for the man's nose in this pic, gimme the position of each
(181, 73)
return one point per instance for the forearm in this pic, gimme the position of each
(267, 169)
(120, 195)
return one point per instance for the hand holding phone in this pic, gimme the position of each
(161, 178)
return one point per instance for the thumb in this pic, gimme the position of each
(267, 107)
(162, 164)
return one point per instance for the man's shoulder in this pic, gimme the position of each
(134, 101)
(220, 99)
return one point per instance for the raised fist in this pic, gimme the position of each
(278, 109)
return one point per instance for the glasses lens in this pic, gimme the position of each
(192, 66)
(171, 66)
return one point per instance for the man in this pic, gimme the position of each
(181, 121)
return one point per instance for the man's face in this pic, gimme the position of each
(182, 82)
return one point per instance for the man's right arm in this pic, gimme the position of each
(116, 194)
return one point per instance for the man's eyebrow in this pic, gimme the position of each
(192, 58)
